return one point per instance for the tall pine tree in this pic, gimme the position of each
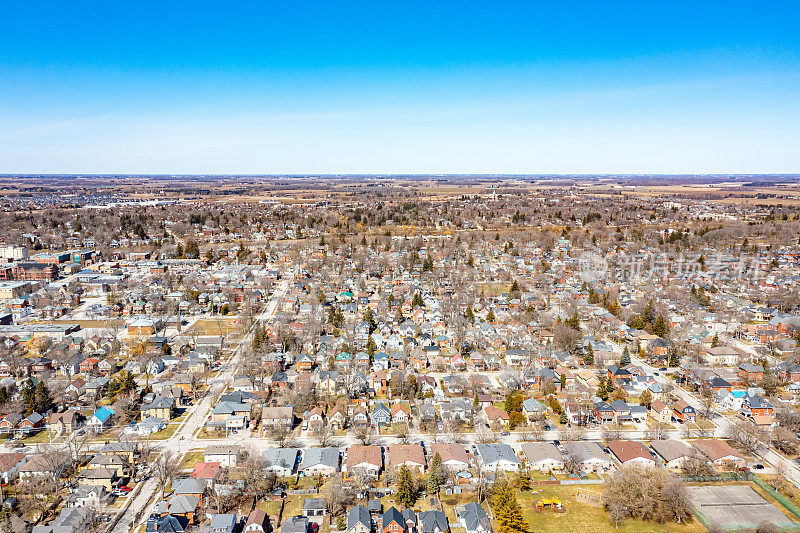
(406, 492)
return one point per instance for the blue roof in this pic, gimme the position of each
(103, 413)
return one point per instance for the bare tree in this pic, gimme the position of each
(281, 435)
(339, 498)
(645, 493)
(784, 440)
(363, 435)
(323, 435)
(745, 436)
(165, 468)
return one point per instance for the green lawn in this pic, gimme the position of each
(37, 438)
(191, 459)
(164, 433)
(292, 506)
(584, 517)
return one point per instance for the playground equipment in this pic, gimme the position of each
(553, 504)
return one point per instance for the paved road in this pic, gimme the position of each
(184, 438)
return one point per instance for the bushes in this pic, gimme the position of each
(554, 405)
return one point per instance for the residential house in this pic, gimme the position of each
(227, 455)
(542, 456)
(258, 522)
(473, 518)
(320, 461)
(683, 412)
(10, 463)
(673, 453)
(392, 521)
(295, 524)
(719, 452)
(277, 416)
(498, 456)
(631, 452)
(106, 477)
(453, 455)
(222, 523)
(660, 412)
(358, 520)
(364, 459)
(282, 461)
(381, 415)
(160, 407)
(101, 419)
(433, 521)
(412, 456)
(589, 456)
(749, 372)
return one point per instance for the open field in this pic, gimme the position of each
(210, 326)
(584, 517)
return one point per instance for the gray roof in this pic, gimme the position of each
(538, 451)
(284, 457)
(314, 503)
(671, 449)
(475, 517)
(295, 524)
(532, 405)
(496, 451)
(188, 485)
(358, 515)
(582, 451)
(223, 521)
(324, 456)
(431, 520)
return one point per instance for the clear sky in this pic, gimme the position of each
(412, 87)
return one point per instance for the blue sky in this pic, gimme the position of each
(383, 87)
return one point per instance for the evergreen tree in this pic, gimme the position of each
(371, 347)
(625, 360)
(490, 316)
(588, 357)
(660, 326)
(437, 474)
(406, 492)
(28, 393)
(417, 300)
(646, 398)
(433, 484)
(369, 318)
(715, 341)
(507, 510)
(673, 358)
(514, 288)
(470, 315)
(602, 393)
(574, 322)
(179, 250)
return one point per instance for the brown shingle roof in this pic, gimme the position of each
(402, 453)
(358, 454)
(625, 450)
